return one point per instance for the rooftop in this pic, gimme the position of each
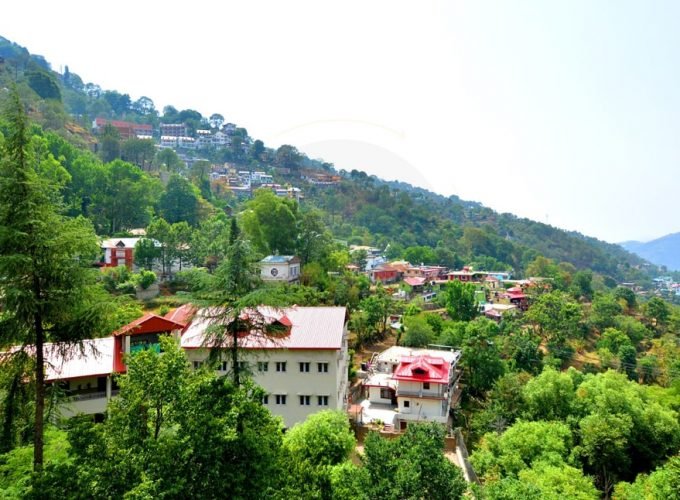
(93, 358)
(310, 328)
(423, 368)
(280, 259)
(395, 353)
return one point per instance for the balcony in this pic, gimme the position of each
(420, 393)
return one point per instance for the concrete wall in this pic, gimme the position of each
(293, 383)
(374, 396)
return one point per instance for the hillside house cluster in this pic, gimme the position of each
(303, 368)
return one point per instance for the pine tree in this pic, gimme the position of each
(45, 260)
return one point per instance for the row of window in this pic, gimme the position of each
(263, 366)
(281, 399)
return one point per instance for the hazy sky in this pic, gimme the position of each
(566, 112)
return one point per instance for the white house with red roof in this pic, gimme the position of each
(404, 385)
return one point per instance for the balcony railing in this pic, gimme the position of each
(420, 393)
(89, 395)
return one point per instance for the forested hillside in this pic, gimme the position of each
(571, 391)
(359, 209)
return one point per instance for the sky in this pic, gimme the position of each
(565, 112)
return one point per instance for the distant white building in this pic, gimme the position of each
(280, 269)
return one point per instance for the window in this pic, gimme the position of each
(323, 367)
(305, 400)
(407, 404)
(223, 366)
(265, 399)
(385, 393)
(280, 366)
(197, 364)
(322, 400)
(280, 399)
(262, 366)
(243, 366)
(426, 386)
(304, 367)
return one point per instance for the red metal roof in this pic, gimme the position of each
(423, 369)
(149, 323)
(310, 328)
(182, 314)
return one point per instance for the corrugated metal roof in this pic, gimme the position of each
(423, 369)
(311, 328)
(94, 359)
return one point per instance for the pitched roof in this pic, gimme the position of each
(182, 314)
(149, 323)
(309, 328)
(414, 281)
(423, 369)
(93, 358)
(113, 242)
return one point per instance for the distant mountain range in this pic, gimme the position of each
(664, 251)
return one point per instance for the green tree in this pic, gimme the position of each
(173, 433)
(556, 318)
(605, 309)
(544, 482)
(664, 482)
(604, 445)
(45, 277)
(43, 84)
(271, 223)
(657, 313)
(139, 152)
(627, 295)
(166, 159)
(146, 253)
(124, 199)
(412, 465)
(522, 446)
(461, 304)
(613, 340)
(582, 285)
(418, 332)
(159, 230)
(288, 157)
(109, 141)
(180, 202)
(549, 396)
(481, 357)
(314, 239)
(311, 448)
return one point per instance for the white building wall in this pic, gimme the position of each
(294, 383)
(374, 396)
(417, 389)
(426, 410)
(285, 271)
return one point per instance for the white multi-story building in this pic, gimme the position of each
(303, 368)
(410, 385)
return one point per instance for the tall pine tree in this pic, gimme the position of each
(47, 290)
